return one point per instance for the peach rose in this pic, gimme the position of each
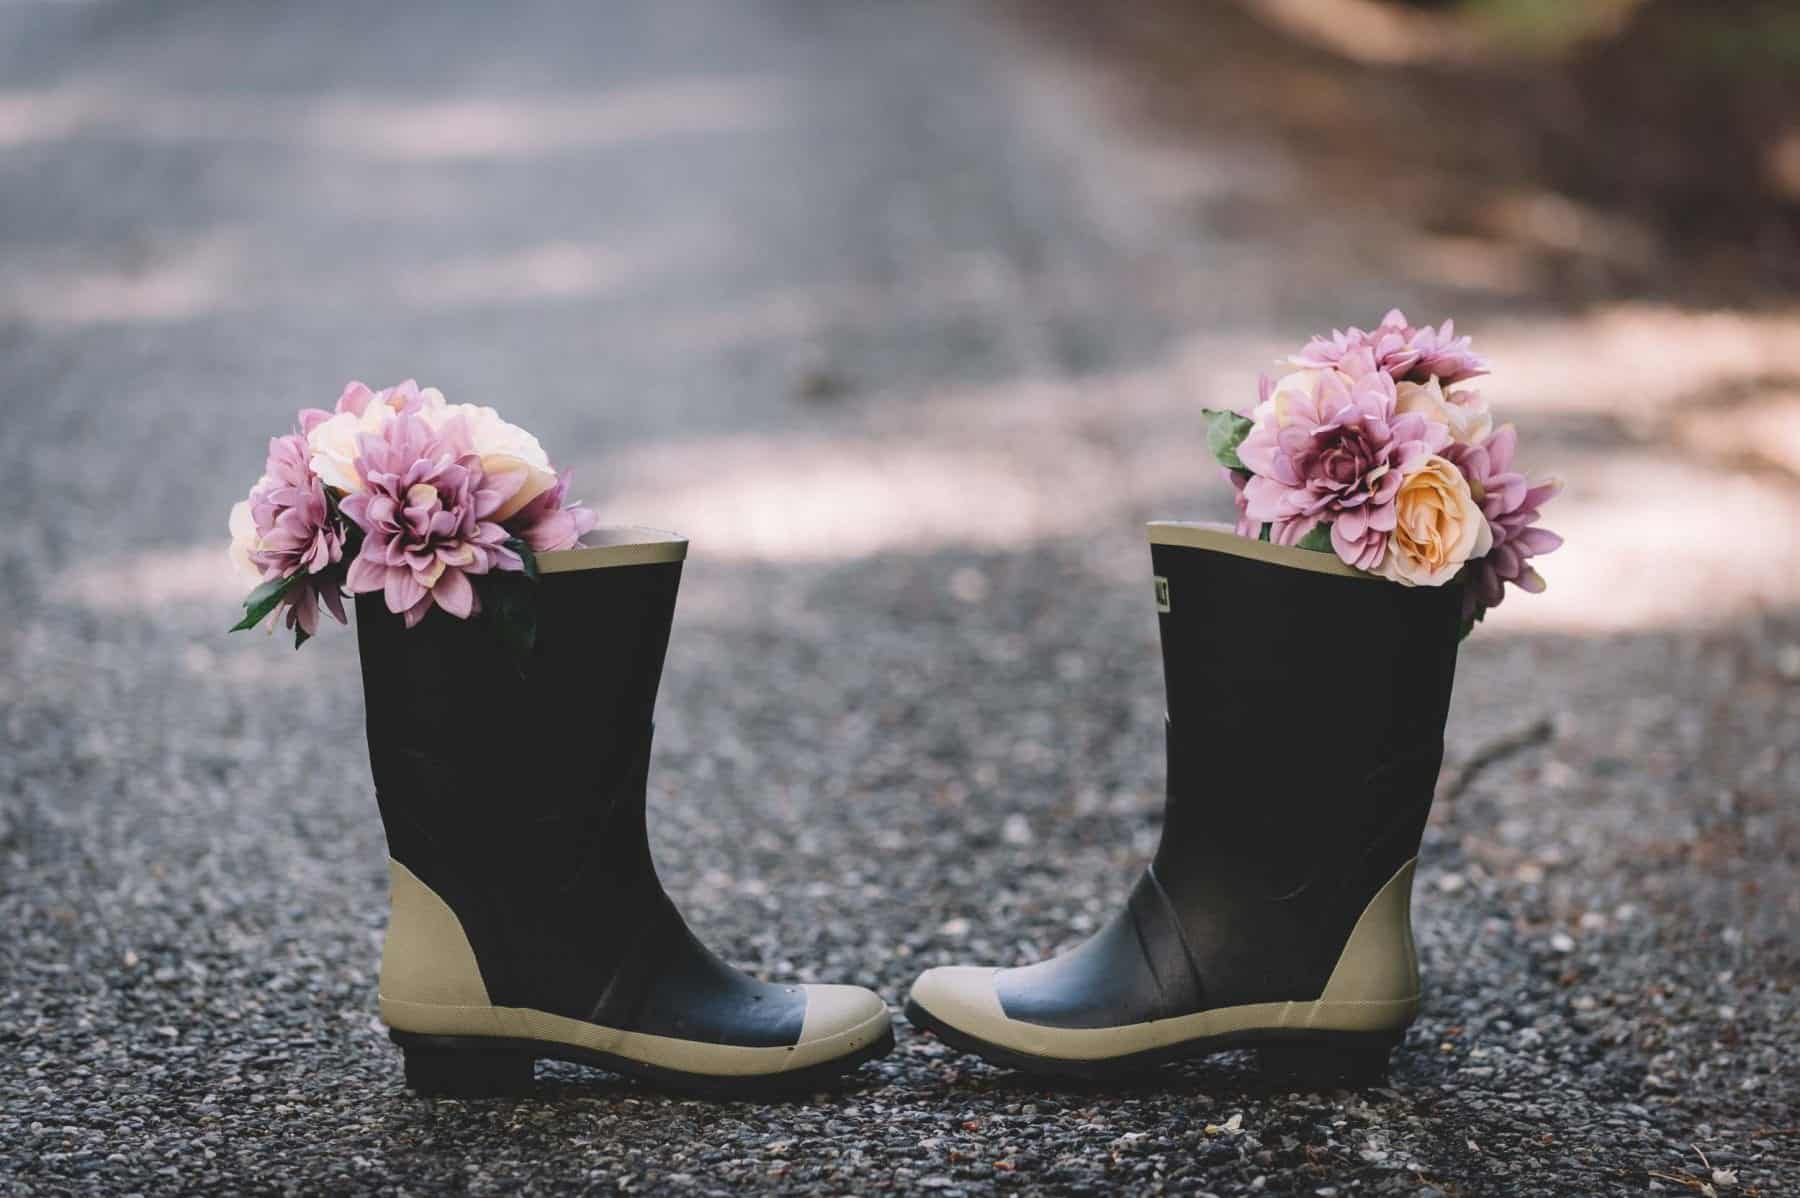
(1438, 527)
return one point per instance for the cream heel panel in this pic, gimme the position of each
(1379, 962)
(430, 982)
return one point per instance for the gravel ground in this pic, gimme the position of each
(881, 305)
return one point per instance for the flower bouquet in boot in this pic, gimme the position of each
(1380, 516)
(511, 653)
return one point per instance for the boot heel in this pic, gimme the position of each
(463, 1067)
(1349, 1059)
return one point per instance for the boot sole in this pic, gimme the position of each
(1312, 1059)
(490, 1066)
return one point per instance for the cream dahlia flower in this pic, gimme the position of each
(504, 449)
(333, 436)
(1461, 410)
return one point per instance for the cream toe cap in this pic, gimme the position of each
(850, 1013)
(964, 997)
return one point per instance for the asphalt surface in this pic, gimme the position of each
(873, 303)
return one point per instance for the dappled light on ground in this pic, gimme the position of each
(179, 282)
(1666, 523)
(1678, 509)
(397, 128)
(552, 270)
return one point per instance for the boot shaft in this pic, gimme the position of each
(1305, 700)
(513, 788)
(1306, 711)
(463, 729)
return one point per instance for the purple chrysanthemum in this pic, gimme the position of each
(1511, 504)
(424, 515)
(295, 535)
(1407, 353)
(1329, 448)
(547, 525)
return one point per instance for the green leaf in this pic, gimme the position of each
(301, 636)
(1225, 431)
(263, 600)
(1317, 539)
(1264, 534)
(518, 546)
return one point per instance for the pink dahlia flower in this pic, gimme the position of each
(1511, 505)
(1407, 353)
(295, 535)
(547, 525)
(1328, 448)
(425, 514)
(401, 397)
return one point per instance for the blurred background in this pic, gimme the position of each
(905, 314)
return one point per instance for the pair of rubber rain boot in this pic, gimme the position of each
(1306, 708)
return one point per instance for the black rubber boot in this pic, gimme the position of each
(527, 918)
(1306, 708)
